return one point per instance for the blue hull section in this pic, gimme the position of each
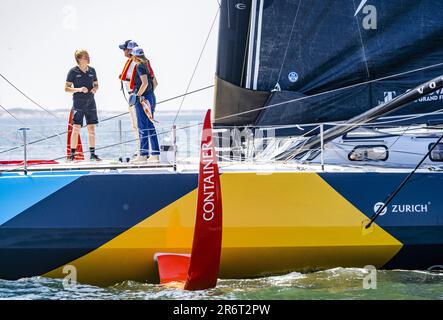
(83, 215)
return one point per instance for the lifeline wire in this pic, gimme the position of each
(110, 118)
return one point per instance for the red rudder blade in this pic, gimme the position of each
(206, 247)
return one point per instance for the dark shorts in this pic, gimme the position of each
(84, 109)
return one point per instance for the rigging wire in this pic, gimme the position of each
(270, 106)
(27, 97)
(289, 42)
(361, 41)
(104, 120)
(298, 139)
(7, 111)
(33, 101)
(22, 123)
(113, 117)
(328, 92)
(402, 184)
(198, 62)
(263, 107)
(338, 123)
(163, 101)
(273, 105)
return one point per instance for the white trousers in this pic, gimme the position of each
(135, 128)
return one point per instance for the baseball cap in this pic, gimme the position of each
(137, 51)
(129, 44)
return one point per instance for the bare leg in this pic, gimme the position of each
(91, 135)
(74, 135)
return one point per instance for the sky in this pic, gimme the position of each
(39, 38)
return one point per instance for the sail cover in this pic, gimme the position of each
(321, 61)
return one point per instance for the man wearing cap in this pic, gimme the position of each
(125, 78)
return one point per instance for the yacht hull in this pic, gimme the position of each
(110, 225)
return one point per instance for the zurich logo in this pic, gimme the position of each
(378, 206)
(293, 76)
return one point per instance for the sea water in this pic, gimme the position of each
(114, 134)
(338, 283)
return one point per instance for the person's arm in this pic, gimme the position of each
(94, 82)
(144, 85)
(95, 88)
(69, 88)
(153, 77)
(154, 83)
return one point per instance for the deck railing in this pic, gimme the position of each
(179, 142)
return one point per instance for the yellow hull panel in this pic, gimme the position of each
(271, 224)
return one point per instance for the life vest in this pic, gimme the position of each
(151, 72)
(150, 77)
(131, 82)
(129, 69)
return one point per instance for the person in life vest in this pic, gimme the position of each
(82, 82)
(144, 100)
(125, 78)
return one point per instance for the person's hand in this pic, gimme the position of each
(132, 99)
(94, 90)
(142, 99)
(84, 90)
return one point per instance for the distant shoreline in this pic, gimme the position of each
(23, 113)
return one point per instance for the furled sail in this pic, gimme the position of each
(310, 61)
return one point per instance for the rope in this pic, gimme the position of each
(123, 91)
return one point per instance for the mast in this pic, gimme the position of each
(251, 43)
(255, 29)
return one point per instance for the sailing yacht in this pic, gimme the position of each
(327, 119)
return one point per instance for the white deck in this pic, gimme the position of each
(191, 166)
